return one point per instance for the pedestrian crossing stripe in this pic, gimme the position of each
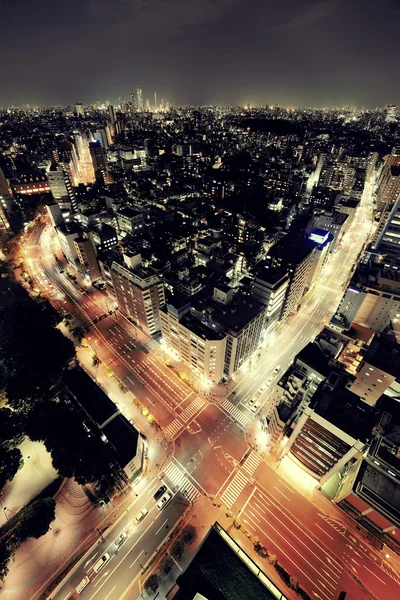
(181, 483)
(234, 489)
(182, 420)
(251, 463)
(236, 413)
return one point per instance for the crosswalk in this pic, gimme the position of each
(251, 463)
(234, 489)
(181, 482)
(173, 428)
(190, 410)
(183, 419)
(236, 413)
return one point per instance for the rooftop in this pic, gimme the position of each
(123, 437)
(89, 395)
(238, 314)
(218, 573)
(378, 490)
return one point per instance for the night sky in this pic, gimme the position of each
(291, 52)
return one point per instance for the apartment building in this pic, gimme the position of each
(139, 293)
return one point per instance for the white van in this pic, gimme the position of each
(166, 499)
(81, 586)
(101, 563)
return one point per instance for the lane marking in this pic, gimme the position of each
(136, 559)
(298, 538)
(323, 530)
(166, 521)
(287, 556)
(284, 495)
(247, 501)
(374, 575)
(108, 595)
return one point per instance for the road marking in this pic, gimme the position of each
(284, 495)
(298, 538)
(374, 575)
(136, 559)
(100, 578)
(189, 474)
(159, 529)
(108, 595)
(122, 559)
(251, 463)
(234, 489)
(288, 557)
(247, 501)
(286, 486)
(181, 482)
(323, 530)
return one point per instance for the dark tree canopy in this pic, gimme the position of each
(10, 462)
(36, 519)
(32, 352)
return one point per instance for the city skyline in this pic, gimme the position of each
(221, 52)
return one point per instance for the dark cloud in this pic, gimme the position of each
(314, 52)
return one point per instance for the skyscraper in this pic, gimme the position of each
(133, 103)
(98, 160)
(155, 101)
(139, 99)
(111, 115)
(391, 113)
(79, 109)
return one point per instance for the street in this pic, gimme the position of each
(211, 455)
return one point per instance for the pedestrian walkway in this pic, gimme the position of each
(192, 409)
(234, 489)
(184, 418)
(173, 428)
(251, 463)
(181, 483)
(235, 412)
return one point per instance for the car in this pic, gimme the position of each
(121, 539)
(260, 391)
(277, 369)
(141, 515)
(255, 408)
(166, 499)
(160, 492)
(82, 584)
(251, 402)
(101, 563)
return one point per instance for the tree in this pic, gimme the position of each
(152, 583)
(189, 534)
(5, 555)
(11, 428)
(36, 518)
(167, 565)
(10, 463)
(177, 549)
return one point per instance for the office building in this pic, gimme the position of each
(66, 235)
(269, 289)
(391, 113)
(295, 257)
(129, 220)
(28, 184)
(201, 348)
(242, 320)
(389, 240)
(61, 186)
(98, 160)
(86, 258)
(139, 293)
(79, 109)
(139, 99)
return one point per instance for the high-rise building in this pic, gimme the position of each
(139, 99)
(200, 348)
(139, 293)
(111, 115)
(296, 257)
(86, 255)
(270, 289)
(389, 240)
(155, 101)
(391, 113)
(61, 186)
(134, 106)
(79, 109)
(98, 160)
